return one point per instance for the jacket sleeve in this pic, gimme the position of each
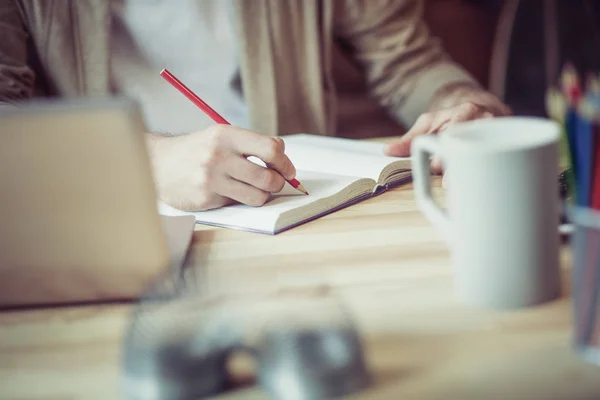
(404, 64)
(16, 77)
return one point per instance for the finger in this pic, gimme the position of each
(445, 180)
(467, 112)
(242, 192)
(498, 109)
(274, 156)
(255, 175)
(437, 166)
(268, 149)
(463, 112)
(401, 148)
(441, 120)
(281, 142)
(442, 127)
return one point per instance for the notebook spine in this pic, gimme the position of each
(380, 188)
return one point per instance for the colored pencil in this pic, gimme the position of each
(595, 201)
(584, 148)
(570, 84)
(592, 85)
(593, 111)
(177, 84)
(556, 107)
(572, 91)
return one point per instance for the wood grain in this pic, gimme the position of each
(391, 270)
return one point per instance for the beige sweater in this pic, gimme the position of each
(286, 48)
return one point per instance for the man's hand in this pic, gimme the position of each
(453, 104)
(209, 169)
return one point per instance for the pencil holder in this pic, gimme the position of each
(585, 250)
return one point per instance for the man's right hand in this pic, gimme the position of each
(209, 169)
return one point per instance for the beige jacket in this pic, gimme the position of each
(61, 48)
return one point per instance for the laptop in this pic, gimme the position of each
(79, 219)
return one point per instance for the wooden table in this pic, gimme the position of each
(388, 265)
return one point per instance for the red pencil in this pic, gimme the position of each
(177, 84)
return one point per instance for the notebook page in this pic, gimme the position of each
(334, 143)
(337, 156)
(264, 218)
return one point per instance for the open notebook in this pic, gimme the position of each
(336, 172)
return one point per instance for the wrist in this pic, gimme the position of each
(155, 143)
(453, 94)
(458, 93)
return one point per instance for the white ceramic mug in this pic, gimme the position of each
(502, 208)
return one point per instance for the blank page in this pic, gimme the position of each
(337, 156)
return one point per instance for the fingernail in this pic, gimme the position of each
(290, 175)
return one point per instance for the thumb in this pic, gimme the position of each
(401, 148)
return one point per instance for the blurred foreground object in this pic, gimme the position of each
(179, 343)
(75, 226)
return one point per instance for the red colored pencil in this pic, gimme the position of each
(177, 84)
(571, 85)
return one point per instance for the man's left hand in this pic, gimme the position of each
(454, 105)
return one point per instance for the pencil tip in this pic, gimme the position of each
(302, 189)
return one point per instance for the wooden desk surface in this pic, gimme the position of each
(392, 270)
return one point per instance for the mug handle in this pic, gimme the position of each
(421, 148)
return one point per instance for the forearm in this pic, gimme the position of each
(405, 66)
(16, 77)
